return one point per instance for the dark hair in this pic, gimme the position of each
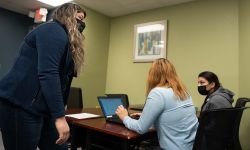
(211, 77)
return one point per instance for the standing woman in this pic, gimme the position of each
(168, 108)
(216, 96)
(33, 93)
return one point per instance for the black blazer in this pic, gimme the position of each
(40, 78)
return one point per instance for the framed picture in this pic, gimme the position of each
(150, 41)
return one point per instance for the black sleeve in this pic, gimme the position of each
(51, 41)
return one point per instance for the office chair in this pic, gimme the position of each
(219, 129)
(75, 101)
(75, 98)
(241, 102)
(124, 98)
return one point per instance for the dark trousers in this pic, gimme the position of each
(22, 130)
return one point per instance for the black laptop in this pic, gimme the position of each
(109, 106)
(137, 107)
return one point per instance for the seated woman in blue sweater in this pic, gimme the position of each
(168, 108)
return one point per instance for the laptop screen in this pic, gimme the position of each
(109, 105)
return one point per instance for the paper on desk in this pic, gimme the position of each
(83, 116)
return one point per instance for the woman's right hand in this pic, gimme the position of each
(121, 112)
(62, 129)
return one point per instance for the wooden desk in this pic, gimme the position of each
(114, 136)
(78, 135)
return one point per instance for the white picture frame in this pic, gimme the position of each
(150, 41)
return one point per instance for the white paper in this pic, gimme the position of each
(83, 116)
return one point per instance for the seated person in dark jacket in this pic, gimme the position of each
(216, 96)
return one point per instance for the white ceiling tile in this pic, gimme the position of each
(112, 8)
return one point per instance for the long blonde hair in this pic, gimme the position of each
(65, 14)
(162, 73)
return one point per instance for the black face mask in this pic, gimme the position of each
(80, 25)
(202, 90)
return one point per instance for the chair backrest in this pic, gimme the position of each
(124, 98)
(241, 102)
(75, 98)
(219, 129)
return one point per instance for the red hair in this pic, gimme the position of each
(162, 73)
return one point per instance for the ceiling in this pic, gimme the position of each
(111, 8)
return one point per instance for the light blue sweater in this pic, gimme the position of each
(174, 119)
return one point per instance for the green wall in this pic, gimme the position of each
(93, 77)
(202, 35)
(244, 70)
